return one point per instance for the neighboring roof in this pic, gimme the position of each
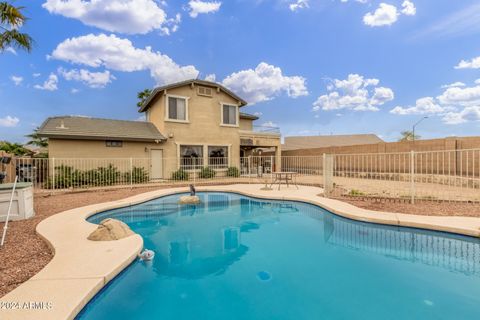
(244, 115)
(157, 90)
(71, 127)
(309, 142)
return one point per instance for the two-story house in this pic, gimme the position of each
(190, 124)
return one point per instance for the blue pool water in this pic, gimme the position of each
(235, 257)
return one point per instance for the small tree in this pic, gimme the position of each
(37, 141)
(407, 135)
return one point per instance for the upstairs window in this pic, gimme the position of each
(114, 143)
(229, 115)
(177, 109)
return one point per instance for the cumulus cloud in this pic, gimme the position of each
(11, 50)
(50, 84)
(264, 83)
(125, 16)
(453, 85)
(9, 121)
(211, 77)
(387, 14)
(17, 80)
(299, 4)
(466, 115)
(469, 64)
(457, 96)
(36, 75)
(91, 79)
(457, 104)
(354, 93)
(384, 15)
(119, 54)
(426, 105)
(269, 124)
(196, 7)
(408, 8)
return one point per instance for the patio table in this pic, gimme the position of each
(284, 176)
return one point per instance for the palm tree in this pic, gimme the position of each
(407, 135)
(11, 19)
(143, 96)
(37, 141)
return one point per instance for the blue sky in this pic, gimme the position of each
(310, 67)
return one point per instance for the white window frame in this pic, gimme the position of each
(167, 98)
(221, 115)
(179, 155)
(229, 157)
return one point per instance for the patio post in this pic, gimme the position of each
(249, 169)
(53, 173)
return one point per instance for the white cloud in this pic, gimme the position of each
(469, 64)
(36, 75)
(456, 96)
(11, 50)
(119, 54)
(74, 90)
(211, 77)
(426, 105)
(384, 15)
(453, 85)
(264, 83)
(9, 121)
(299, 4)
(91, 79)
(50, 84)
(408, 8)
(197, 7)
(466, 115)
(355, 93)
(269, 124)
(17, 80)
(258, 114)
(125, 16)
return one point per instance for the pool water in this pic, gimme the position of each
(236, 257)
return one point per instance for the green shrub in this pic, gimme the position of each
(233, 172)
(139, 175)
(355, 193)
(180, 174)
(206, 173)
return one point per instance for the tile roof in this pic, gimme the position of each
(76, 127)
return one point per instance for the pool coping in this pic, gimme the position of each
(68, 283)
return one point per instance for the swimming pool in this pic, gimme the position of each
(237, 257)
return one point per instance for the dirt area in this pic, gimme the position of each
(25, 253)
(427, 208)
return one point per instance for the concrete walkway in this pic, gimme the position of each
(80, 268)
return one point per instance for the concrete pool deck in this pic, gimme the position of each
(80, 267)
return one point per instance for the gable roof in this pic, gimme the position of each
(74, 127)
(215, 85)
(309, 142)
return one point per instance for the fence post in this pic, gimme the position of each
(131, 173)
(249, 169)
(271, 169)
(412, 177)
(53, 173)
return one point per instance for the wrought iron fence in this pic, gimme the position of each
(432, 175)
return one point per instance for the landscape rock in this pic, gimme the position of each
(189, 200)
(110, 229)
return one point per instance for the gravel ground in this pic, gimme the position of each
(426, 208)
(25, 253)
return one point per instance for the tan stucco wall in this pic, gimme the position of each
(203, 128)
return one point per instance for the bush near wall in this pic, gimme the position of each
(206, 173)
(233, 172)
(180, 174)
(69, 177)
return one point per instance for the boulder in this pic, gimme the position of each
(110, 229)
(189, 200)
